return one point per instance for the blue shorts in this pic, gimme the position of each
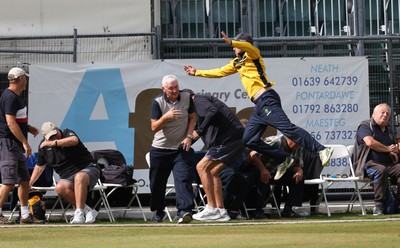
(13, 166)
(227, 153)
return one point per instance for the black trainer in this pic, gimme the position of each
(158, 217)
(290, 214)
(260, 215)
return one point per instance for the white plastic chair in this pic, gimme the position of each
(362, 183)
(321, 182)
(101, 188)
(114, 186)
(328, 179)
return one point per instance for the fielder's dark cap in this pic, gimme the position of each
(244, 37)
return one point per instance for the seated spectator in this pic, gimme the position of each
(376, 155)
(236, 187)
(292, 176)
(66, 154)
(249, 180)
(312, 169)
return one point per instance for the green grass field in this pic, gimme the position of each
(332, 232)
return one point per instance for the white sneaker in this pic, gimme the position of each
(91, 216)
(79, 218)
(224, 216)
(325, 155)
(208, 213)
(200, 214)
(282, 168)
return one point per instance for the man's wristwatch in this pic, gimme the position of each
(189, 136)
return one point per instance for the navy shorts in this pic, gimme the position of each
(13, 166)
(227, 153)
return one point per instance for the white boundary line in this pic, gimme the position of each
(244, 223)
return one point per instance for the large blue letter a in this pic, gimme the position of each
(108, 83)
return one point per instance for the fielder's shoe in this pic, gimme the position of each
(207, 214)
(185, 217)
(325, 155)
(282, 168)
(79, 218)
(91, 216)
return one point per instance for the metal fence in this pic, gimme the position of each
(279, 18)
(90, 48)
(24, 50)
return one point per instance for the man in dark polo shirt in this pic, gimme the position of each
(68, 156)
(375, 142)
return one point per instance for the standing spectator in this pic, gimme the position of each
(268, 110)
(14, 130)
(172, 120)
(376, 154)
(221, 132)
(63, 150)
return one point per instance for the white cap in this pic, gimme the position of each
(49, 129)
(16, 73)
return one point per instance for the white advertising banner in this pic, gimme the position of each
(108, 104)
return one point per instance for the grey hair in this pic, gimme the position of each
(168, 79)
(380, 105)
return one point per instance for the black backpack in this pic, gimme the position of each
(37, 206)
(113, 167)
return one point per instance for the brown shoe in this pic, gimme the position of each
(30, 220)
(4, 220)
